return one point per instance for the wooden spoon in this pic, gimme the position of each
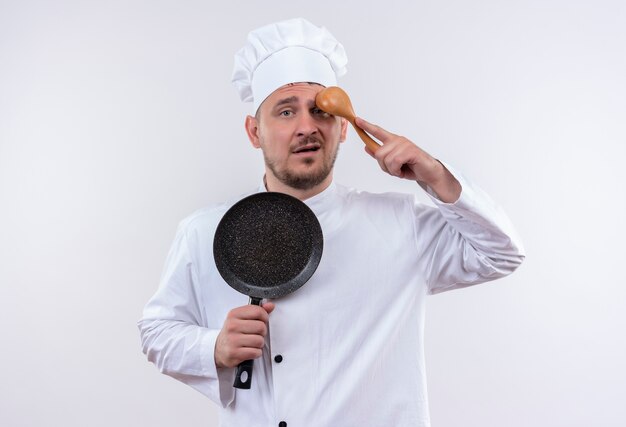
(336, 101)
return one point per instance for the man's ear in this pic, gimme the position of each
(252, 129)
(344, 129)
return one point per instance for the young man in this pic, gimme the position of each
(347, 348)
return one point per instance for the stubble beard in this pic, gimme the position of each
(307, 179)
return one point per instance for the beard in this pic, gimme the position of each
(309, 178)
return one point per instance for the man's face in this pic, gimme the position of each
(299, 141)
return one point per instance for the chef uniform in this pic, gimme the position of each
(347, 348)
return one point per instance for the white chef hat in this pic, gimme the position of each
(285, 52)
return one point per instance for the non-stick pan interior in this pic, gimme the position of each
(268, 245)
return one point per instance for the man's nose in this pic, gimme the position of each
(306, 124)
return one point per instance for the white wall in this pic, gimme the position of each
(117, 119)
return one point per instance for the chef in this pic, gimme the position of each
(346, 349)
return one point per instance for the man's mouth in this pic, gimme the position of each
(308, 148)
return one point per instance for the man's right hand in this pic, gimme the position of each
(243, 335)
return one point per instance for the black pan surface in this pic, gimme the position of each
(268, 245)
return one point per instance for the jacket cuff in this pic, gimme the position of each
(223, 377)
(433, 196)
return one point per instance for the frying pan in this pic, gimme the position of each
(266, 245)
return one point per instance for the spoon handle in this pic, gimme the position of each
(369, 142)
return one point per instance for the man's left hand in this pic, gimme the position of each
(400, 157)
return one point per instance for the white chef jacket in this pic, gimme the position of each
(352, 338)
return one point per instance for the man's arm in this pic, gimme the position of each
(187, 343)
(469, 239)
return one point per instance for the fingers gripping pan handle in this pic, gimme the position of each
(243, 375)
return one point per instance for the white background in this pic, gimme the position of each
(117, 119)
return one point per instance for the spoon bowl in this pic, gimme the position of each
(334, 100)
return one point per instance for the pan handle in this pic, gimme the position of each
(243, 376)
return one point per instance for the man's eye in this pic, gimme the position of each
(319, 112)
(286, 113)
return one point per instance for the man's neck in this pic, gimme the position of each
(273, 184)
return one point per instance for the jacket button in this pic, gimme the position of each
(278, 358)
(282, 424)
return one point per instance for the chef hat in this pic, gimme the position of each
(285, 52)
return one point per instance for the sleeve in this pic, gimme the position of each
(467, 242)
(172, 335)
